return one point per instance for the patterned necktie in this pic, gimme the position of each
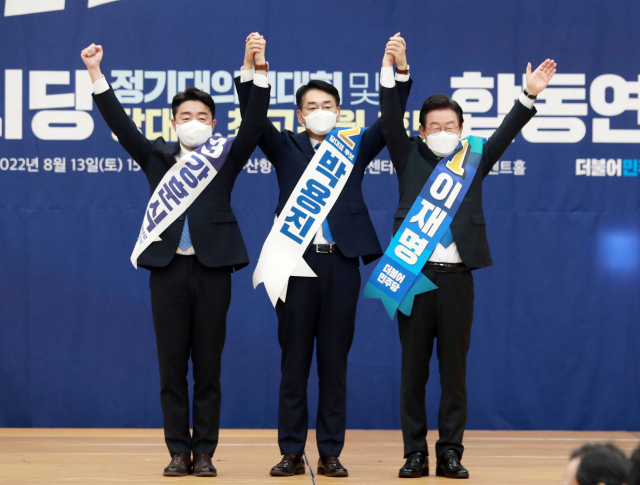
(326, 232)
(185, 239)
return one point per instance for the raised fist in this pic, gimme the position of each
(92, 56)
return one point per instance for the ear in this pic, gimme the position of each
(423, 132)
(213, 125)
(460, 134)
(338, 114)
(173, 123)
(300, 118)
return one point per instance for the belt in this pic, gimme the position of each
(446, 267)
(325, 248)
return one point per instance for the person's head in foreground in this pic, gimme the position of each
(597, 464)
(634, 474)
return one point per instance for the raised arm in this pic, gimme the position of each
(134, 142)
(519, 115)
(374, 140)
(391, 104)
(254, 117)
(271, 140)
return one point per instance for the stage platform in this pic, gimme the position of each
(115, 456)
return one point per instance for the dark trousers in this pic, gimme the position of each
(189, 303)
(444, 314)
(321, 309)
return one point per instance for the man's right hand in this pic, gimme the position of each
(388, 59)
(92, 56)
(395, 51)
(254, 50)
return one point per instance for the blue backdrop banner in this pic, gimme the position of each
(555, 337)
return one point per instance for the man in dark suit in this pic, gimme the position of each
(321, 309)
(191, 265)
(446, 313)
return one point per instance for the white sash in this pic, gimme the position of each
(180, 186)
(305, 210)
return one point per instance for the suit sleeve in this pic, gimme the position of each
(392, 107)
(135, 143)
(253, 123)
(498, 143)
(374, 139)
(270, 141)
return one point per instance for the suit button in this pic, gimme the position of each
(181, 218)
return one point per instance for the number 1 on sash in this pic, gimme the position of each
(456, 164)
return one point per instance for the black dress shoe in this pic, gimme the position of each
(331, 467)
(417, 466)
(449, 466)
(180, 465)
(289, 465)
(202, 466)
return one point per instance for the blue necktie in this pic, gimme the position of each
(447, 238)
(326, 232)
(185, 239)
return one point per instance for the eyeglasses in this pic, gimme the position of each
(313, 107)
(452, 130)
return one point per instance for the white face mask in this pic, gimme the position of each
(194, 133)
(321, 121)
(443, 143)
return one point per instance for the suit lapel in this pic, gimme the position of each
(427, 154)
(170, 152)
(302, 140)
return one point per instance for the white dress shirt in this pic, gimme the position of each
(441, 254)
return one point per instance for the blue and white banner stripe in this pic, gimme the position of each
(397, 278)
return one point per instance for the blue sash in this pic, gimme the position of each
(397, 278)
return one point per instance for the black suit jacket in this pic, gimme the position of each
(414, 162)
(290, 153)
(213, 227)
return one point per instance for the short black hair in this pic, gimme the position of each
(601, 463)
(440, 101)
(634, 474)
(320, 85)
(193, 94)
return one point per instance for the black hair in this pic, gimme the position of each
(634, 475)
(320, 85)
(440, 101)
(193, 94)
(601, 463)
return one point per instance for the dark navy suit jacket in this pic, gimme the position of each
(290, 153)
(414, 163)
(213, 227)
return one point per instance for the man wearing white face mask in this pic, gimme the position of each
(445, 313)
(191, 261)
(319, 309)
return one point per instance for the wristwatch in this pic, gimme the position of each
(261, 67)
(403, 71)
(530, 96)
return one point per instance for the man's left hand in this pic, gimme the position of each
(397, 48)
(254, 50)
(540, 78)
